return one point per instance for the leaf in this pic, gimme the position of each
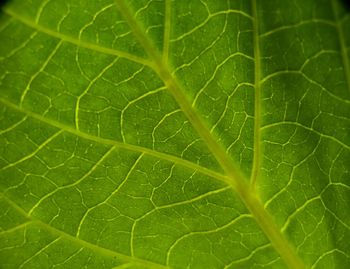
(173, 134)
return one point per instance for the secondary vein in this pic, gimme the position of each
(344, 53)
(75, 41)
(257, 110)
(105, 141)
(167, 23)
(80, 242)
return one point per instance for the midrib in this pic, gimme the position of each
(249, 197)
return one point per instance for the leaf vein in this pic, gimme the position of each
(150, 152)
(96, 248)
(78, 42)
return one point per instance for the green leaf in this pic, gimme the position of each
(175, 134)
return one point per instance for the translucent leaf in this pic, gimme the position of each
(175, 134)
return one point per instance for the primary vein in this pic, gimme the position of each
(237, 181)
(175, 89)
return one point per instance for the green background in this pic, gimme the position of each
(101, 167)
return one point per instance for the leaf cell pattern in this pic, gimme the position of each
(103, 166)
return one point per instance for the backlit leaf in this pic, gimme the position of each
(175, 134)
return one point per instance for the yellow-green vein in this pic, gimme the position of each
(257, 112)
(40, 147)
(98, 249)
(173, 86)
(41, 69)
(150, 152)
(75, 41)
(167, 25)
(344, 53)
(99, 75)
(237, 181)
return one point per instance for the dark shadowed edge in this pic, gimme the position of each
(346, 4)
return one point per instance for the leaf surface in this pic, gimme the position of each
(175, 134)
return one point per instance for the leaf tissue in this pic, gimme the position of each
(175, 134)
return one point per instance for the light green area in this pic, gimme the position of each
(174, 134)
